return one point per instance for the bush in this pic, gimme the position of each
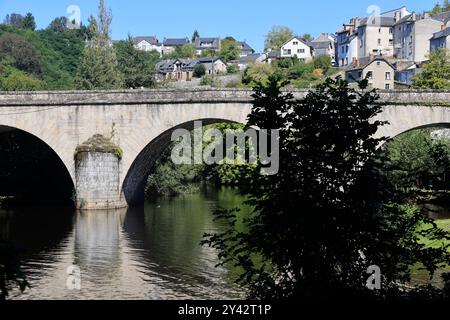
(206, 81)
(232, 68)
(199, 70)
(24, 55)
(322, 62)
(15, 80)
(300, 70)
(257, 73)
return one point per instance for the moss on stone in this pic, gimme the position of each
(100, 144)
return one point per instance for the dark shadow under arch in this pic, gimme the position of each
(31, 171)
(134, 184)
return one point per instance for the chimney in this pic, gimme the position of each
(350, 31)
(444, 26)
(397, 16)
(371, 57)
(414, 16)
(355, 62)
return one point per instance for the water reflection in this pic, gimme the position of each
(151, 252)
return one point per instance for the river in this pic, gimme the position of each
(151, 252)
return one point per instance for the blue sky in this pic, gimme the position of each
(243, 19)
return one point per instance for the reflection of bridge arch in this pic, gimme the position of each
(64, 120)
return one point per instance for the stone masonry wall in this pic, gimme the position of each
(97, 181)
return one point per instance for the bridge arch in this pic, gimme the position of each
(35, 170)
(136, 177)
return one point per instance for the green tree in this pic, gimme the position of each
(136, 68)
(195, 35)
(186, 51)
(92, 28)
(24, 55)
(308, 37)
(59, 24)
(414, 161)
(315, 228)
(436, 72)
(322, 62)
(199, 70)
(277, 37)
(232, 68)
(99, 68)
(12, 79)
(436, 9)
(300, 69)
(29, 22)
(257, 73)
(229, 50)
(446, 6)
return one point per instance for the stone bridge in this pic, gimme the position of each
(141, 123)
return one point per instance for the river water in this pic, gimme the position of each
(151, 252)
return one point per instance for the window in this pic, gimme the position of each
(295, 43)
(287, 51)
(387, 86)
(361, 43)
(379, 30)
(301, 51)
(378, 63)
(388, 76)
(391, 30)
(379, 42)
(369, 75)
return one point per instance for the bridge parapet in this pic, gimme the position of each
(158, 96)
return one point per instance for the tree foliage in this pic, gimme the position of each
(415, 161)
(257, 73)
(195, 35)
(229, 50)
(277, 37)
(136, 66)
(435, 73)
(59, 24)
(199, 70)
(99, 68)
(12, 79)
(186, 51)
(24, 55)
(317, 225)
(29, 22)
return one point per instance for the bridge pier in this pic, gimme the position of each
(97, 169)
